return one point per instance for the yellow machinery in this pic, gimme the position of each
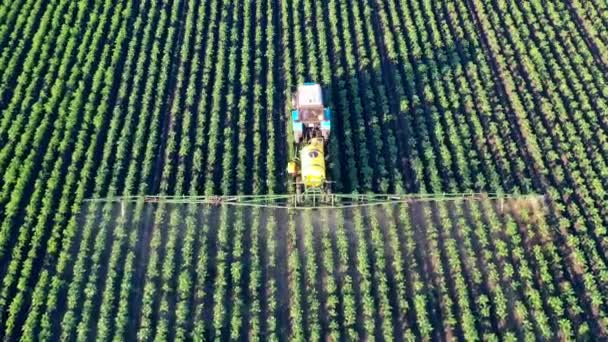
(311, 123)
(312, 160)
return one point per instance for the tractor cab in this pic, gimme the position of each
(309, 114)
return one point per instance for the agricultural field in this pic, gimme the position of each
(189, 97)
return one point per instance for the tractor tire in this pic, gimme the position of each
(298, 190)
(327, 192)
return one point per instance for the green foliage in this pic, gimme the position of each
(108, 98)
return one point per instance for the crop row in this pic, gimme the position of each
(105, 98)
(417, 270)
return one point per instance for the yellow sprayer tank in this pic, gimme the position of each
(312, 161)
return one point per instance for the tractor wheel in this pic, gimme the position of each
(328, 192)
(298, 190)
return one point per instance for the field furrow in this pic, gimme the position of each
(479, 98)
